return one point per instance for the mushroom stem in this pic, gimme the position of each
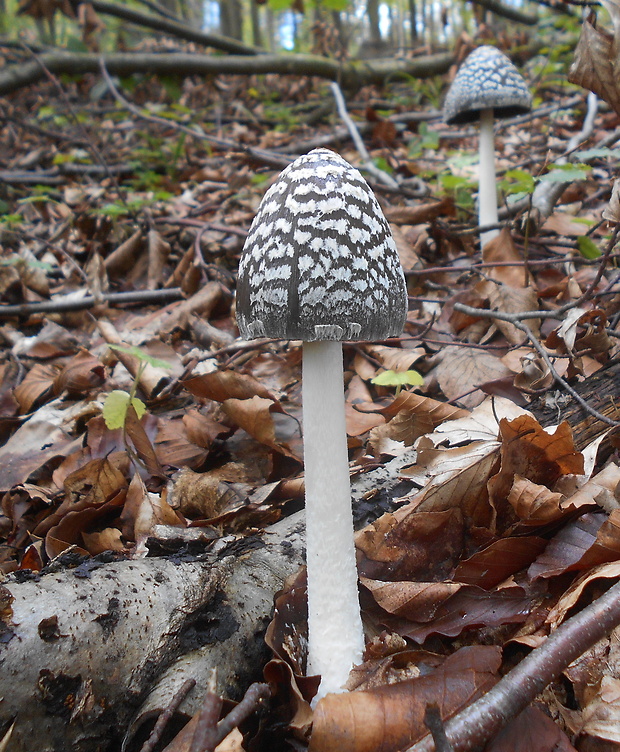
(487, 189)
(335, 634)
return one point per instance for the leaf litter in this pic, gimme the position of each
(510, 526)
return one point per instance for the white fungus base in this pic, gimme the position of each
(487, 188)
(335, 635)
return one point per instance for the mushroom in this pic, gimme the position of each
(487, 86)
(320, 265)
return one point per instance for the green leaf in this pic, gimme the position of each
(600, 153)
(587, 247)
(567, 173)
(398, 378)
(115, 408)
(141, 356)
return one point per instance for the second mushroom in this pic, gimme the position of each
(320, 265)
(487, 86)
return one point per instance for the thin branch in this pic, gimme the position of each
(175, 28)
(514, 319)
(279, 160)
(369, 165)
(256, 695)
(478, 723)
(167, 714)
(206, 737)
(68, 303)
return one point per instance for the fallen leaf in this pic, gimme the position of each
(392, 717)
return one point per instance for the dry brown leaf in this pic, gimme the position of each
(33, 444)
(495, 563)
(142, 511)
(392, 717)
(601, 716)
(123, 258)
(455, 478)
(534, 504)
(559, 612)
(512, 300)
(422, 213)
(531, 452)
(255, 417)
(438, 412)
(73, 524)
(137, 430)
(409, 259)
(395, 358)
(463, 369)
(108, 539)
(589, 541)
(221, 385)
(36, 386)
(206, 495)
(417, 601)
(502, 249)
(596, 59)
(612, 211)
(601, 490)
(83, 373)
(531, 731)
(158, 252)
(411, 545)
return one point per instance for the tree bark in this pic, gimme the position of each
(601, 391)
(95, 653)
(84, 650)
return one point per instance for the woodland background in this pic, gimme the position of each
(151, 472)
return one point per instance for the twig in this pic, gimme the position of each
(514, 319)
(69, 303)
(256, 694)
(267, 157)
(479, 722)
(206, 736)
(434, 724)
(166, 715)
(369, 166)
(92, 147)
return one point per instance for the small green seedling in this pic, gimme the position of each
(398, 379)
(588, 248)
(117, 403)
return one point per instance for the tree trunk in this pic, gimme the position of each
(231, 19)
(257, 36)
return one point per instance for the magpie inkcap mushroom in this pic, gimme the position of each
(487, 86)
(487, 79)
(320, 264)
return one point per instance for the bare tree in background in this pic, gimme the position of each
(231, 19)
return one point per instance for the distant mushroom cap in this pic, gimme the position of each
(320, 262)
(486, 80)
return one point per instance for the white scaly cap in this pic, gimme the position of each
(486, 80)
(320, 262)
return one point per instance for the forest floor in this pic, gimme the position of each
(130, 405)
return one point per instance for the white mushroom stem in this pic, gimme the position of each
(487, 189)
(335, 635)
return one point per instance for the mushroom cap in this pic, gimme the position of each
(320, 262)
(486, 80)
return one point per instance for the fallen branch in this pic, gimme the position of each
(529, 19)
(175, 28)
(478, 723)
(81, 302)
(350, 74)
